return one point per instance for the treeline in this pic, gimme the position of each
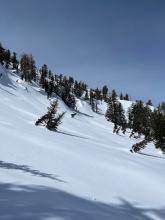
(67, 88)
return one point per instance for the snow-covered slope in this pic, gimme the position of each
(84, 171)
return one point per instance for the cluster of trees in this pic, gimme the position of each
(8, 58)
(27, 68)
(65, 87)
(150, 124)
(142, 121)
(124, 97)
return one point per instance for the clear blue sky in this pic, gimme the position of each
(120, 43)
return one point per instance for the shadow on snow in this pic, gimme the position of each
(19, 202)
(27, 169)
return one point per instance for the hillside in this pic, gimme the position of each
(83, 171)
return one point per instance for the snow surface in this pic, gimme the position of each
(84, 171)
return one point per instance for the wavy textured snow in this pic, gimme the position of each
(84, 171)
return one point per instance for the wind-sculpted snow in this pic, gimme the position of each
(83, 171)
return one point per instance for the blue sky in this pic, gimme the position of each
(120, 43)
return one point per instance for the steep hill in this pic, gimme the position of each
(83, 171)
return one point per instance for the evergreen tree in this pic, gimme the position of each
(70, 100)
(149, 102)
(105, 92)
(114, 95)
(158, 129)
(51, 119)
(78, 89)
(121, 96)
(98, 94)
(49, 86)
(7, 58)
(32, 68)
(43, 74)
(27, 66)
(14, 61)
(139, 119)
(115, 113)
(2, 54)
(93, 101)
(86, 95)
(161, 108)
(126, 97)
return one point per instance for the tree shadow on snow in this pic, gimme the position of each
(27, 169)
(5, 81)
(23, 203)
(150, 155)
(72, 135)
(7, 91)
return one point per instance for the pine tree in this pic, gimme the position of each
(161, 108)
(51, 120)
(2, 54)
(98, 94)
(149, 102)
(7, 58)
(126, 97)
(158, 129)
(49, 87)
(14, 61)
(86, 95)
(44, 74)
(115, 113)
(110, 110)
(27, 66)
(78, 89)
(32, 68)
(105, 92)
(121, 118)
(114, 95)
(140, 120)
(121, 96)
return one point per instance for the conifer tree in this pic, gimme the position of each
(149, 102)
(114, 95)
(14, 61)
(44, 74)
(158, 129)
(51, 120)
(105, 92)
(27, 66)
(2, 54)
(126, 97)
(116, 115)
(86, 95)
(121, 96)
(139, 117)
(98, 94)
(7, 58)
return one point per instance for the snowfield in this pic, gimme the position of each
(82, 172)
